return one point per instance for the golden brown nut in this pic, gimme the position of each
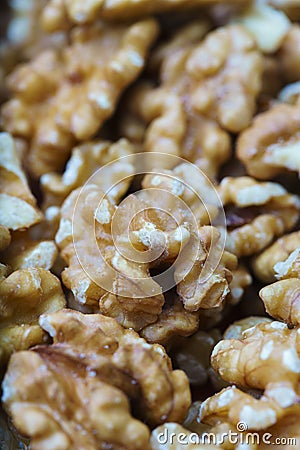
(105, 366)
(150, 230)
(72, 91)
(24, 296)
(270, 145)
(267, 353)
(281, 300)
(194, 288)
(86, 159)
(240, 281)
(200, 95)
(240, 411)
(132, 296)
(91, 413)
(25, 33)
(24, 252)
(220, 91)
(188, 191)
(58, 12)
(18, 208)
(257, 212)
(289, 55)
(157, 120)
(173, 321)
(181, 39)
(264, 357)
(269, 263)
(236, 329)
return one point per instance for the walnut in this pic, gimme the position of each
(173, 321)
(72, 90)
(236, 329)
(194, 288)
(86, 159)
(123, 289)
(231, 407)
(18, 208)
(264, 357)
(257, 212)
(180, 39)
(221, 92)
(58, 12)
(288, 55)
(188, 191)
(164, 118)
(270, 145)
(153, 229)
(267, 25)
(106, 366)
(198, 98)
(24, 296)
(266, 354)
(24, 252)
(25, 33)
(172, 130)
(281, 300)
(274, 256)
(240, 280)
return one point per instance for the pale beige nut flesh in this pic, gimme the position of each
(18, 209)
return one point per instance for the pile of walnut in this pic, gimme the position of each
(150, 224)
